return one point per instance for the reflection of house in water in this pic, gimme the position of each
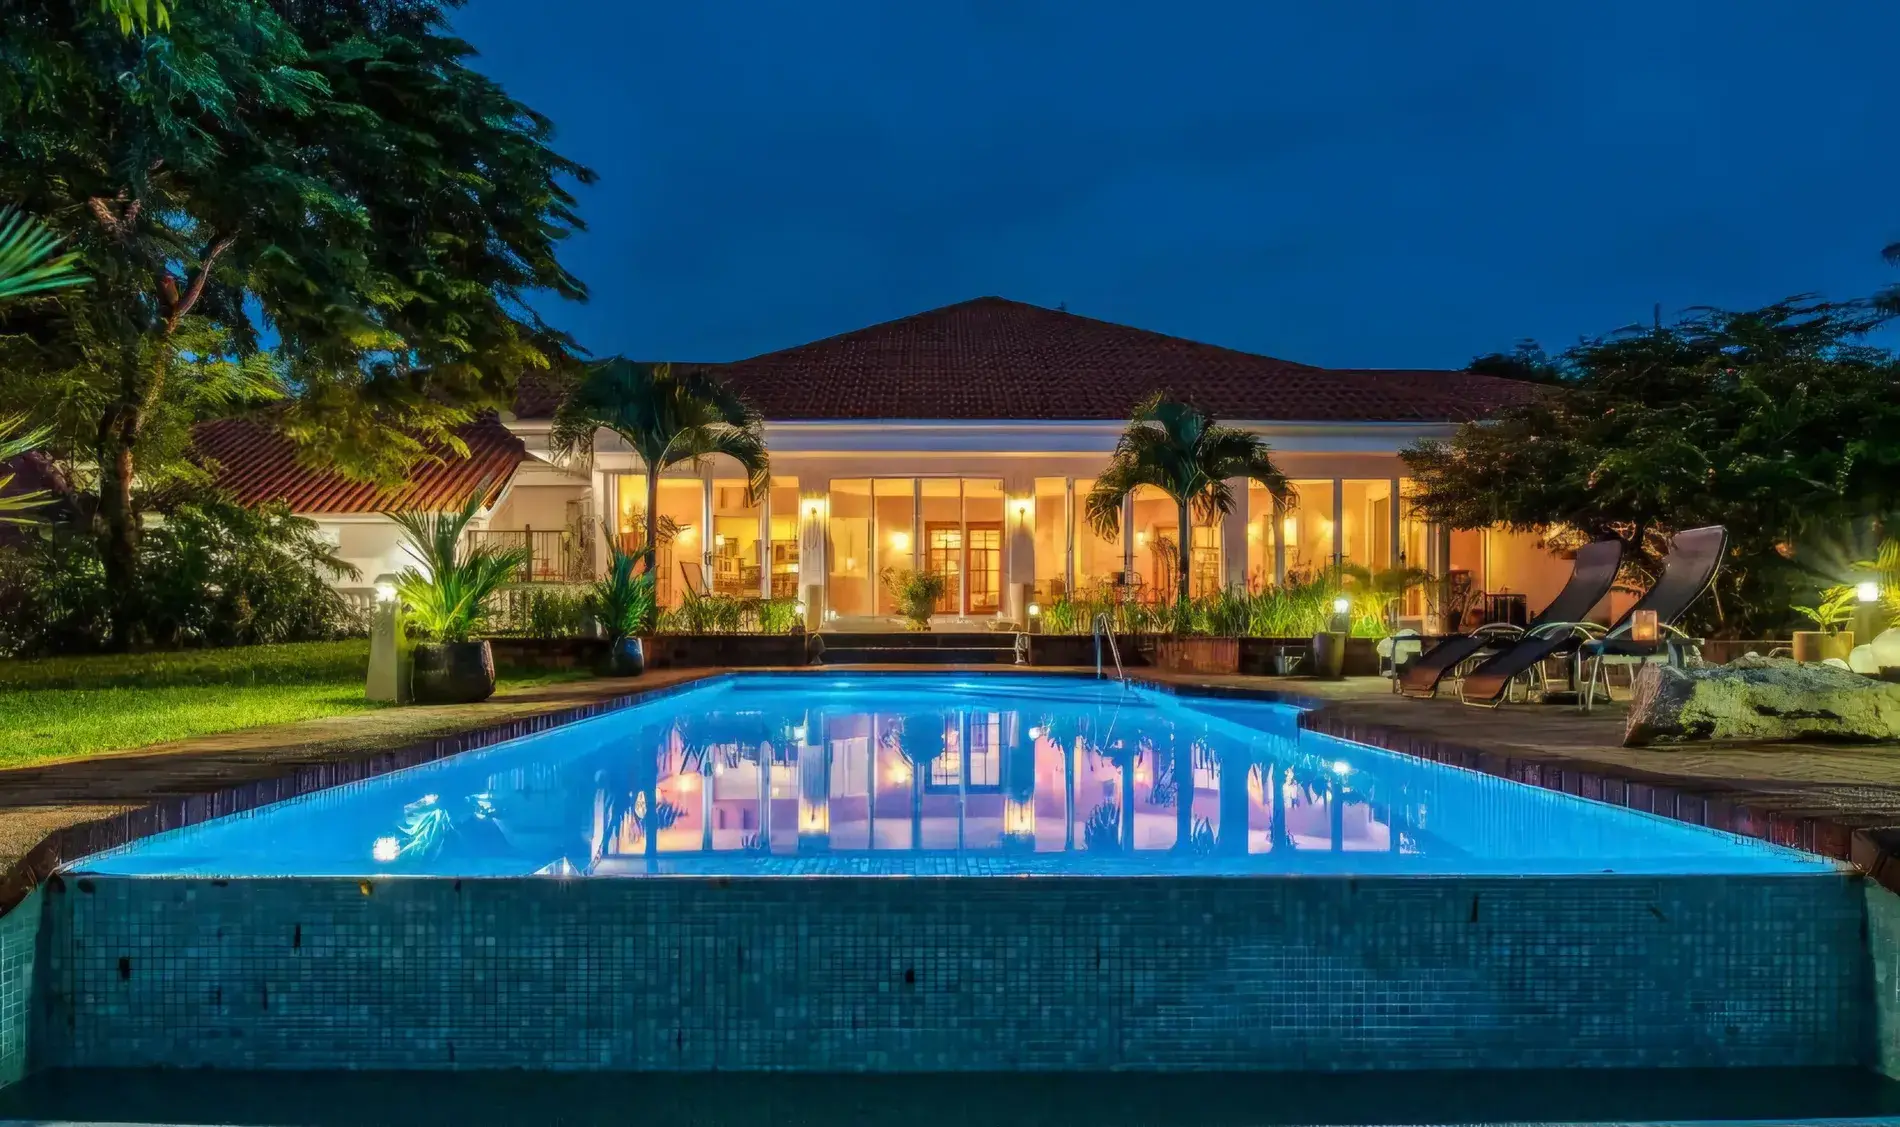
(844, 781)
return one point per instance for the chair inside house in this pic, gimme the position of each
(1694, 558)
(695, 578)
(1591, 575)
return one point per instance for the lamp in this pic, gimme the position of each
(900, 541)
(1643, 626)
(388, 677)
(1035, 609)
(1341, 605)
(385, 589)
(1868, 591)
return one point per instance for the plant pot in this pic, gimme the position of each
(1329, 655)
(627, 657)
(1818, 645)
(453, 672)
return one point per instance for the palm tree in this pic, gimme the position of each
(667, 417)
(919, 739)
(448, 594)
(1180, 450)
(28, 264)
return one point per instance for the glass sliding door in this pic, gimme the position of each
(849, 590)
(983, 546)
(894, 501)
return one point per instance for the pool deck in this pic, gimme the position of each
(1839, 800)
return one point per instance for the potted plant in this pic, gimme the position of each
(915, 592)
(623, 604)
(1329, 643)
(446, 602)
(1827, 639)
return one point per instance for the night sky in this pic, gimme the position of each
(1351, 184)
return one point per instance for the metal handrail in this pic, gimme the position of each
(1101, 628)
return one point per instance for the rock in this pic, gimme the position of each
(1861, 660)
(1837, 663)
(1760, 698)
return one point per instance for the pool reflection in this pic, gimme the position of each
(1003, 781)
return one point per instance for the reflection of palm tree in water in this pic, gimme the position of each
(633, 792)
(1067, 730)
(919, 739)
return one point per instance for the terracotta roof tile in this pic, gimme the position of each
(256, 463)
(991, 358)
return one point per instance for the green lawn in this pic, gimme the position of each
(60, 707)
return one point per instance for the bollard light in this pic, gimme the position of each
(1868, 592)
(1643, 626)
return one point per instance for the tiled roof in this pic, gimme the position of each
(256, 463)
(991, 358)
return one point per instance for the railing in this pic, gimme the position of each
(554, 555)
(1104, 629)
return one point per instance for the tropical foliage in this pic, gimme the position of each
(447, 593)
(622, 601)
(16, 441)
(30, 262)
(668, 417)
(1777, 423)
(1298, 608)
(1180, 450)
(336, 174)
(1833, 609)
(915, 593)
(213, 573)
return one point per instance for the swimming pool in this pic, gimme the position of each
(948, 872)
(939, 775)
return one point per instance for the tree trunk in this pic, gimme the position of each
(118, 525)
(653, 535)
(1276, 799)
(1185, 550)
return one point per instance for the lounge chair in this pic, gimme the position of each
(1694, 558)
(1687, 576)
(1590, 579)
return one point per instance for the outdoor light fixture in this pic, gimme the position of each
(1341, 605)
(385, 849)
(1868, 592)
(1035, 734)
(900, 541)
(1341, 767)
(798, 608)
(1643, 626)
(385, 592)
(1290, 531)
(1035, 609)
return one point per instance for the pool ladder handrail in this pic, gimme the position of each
(1103, 628)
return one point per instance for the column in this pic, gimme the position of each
(1339, 522)
(1019, 552)
(603, 489)
(1392, 536)
(1233, 538)
(765, 544)
(812, 507)
(706, 527)
(1279, 541)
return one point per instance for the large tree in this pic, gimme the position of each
(1777, 423)
(326, 175)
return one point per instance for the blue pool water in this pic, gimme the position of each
(939, 775)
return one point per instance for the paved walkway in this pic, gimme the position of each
(1843, 800)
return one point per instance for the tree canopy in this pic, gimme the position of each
(1777, 423)
(329, 177)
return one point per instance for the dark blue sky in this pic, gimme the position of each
(1353, 184)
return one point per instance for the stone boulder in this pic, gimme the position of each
(1760, 698)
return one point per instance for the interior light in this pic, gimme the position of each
(1341, 767)
(900, 541)
(719, 540)
(1869, 592)
(689, 783)
(1290, 531)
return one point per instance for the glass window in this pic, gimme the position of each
(1158, 547)
(1308, 529)
(1366, 523)
(1261, 569)
(785, 516)
(1413, 550)
(738, 552)
(682, 537)
(983, 555)
(849, 591)
(1051, 538)
(895, 502)
(943, 538)
(1098, 560)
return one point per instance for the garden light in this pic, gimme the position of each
(385, 592)
(1341, 605)
(1868, 592)
(1035, 609)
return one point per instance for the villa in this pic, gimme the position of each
(962, 440)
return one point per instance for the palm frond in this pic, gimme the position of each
(447, 593)
(29, 262)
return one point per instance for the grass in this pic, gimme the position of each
(57, 708)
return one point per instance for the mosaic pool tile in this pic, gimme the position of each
(966, 973)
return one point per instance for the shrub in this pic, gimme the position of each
(211, 573)
(916, 593)
(448, 597)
